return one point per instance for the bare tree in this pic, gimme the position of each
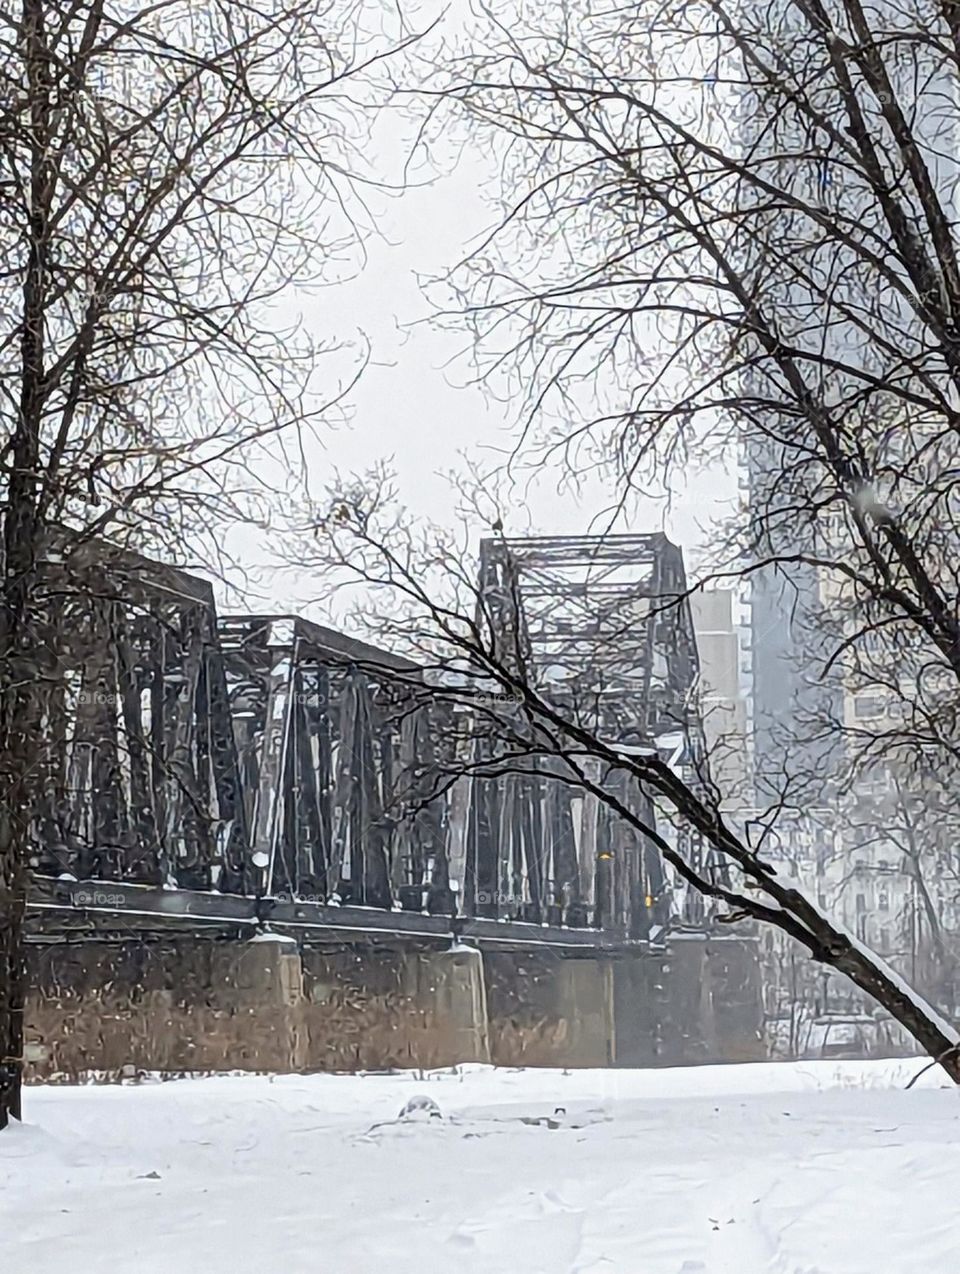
(472, 643)
(166, 170)
(733, 227)
(741, 221)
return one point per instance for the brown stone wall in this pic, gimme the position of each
(197, 1005)
(736, 994)
(385, 1009)
(545, 1009)
(262, 1006)
(177, 1006)
(698, 1001)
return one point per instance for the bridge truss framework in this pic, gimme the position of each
(265, 767)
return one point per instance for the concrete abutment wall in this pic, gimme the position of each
(194, 1005)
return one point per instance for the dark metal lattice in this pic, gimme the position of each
(270, 756)
(602, 627)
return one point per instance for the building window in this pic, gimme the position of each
(861, 903)
(868, 707)
(884, 939)
(873, 781)
(832, 522)
(884, 900)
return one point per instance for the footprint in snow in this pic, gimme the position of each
(460, 1238)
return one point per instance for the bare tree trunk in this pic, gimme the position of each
(12, 904)
(19, 668)
(19, 751)
(936, 1037)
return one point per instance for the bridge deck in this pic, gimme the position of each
(60, 908)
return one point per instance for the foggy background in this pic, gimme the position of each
(417, 405)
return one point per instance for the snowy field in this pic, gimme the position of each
(811, 1168)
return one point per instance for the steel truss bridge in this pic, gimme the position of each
(226, 772)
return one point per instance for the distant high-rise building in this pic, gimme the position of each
(794, 709)
(721, 698)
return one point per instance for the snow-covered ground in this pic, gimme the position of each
(810, 1168)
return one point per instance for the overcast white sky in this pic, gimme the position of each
(415, 406)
